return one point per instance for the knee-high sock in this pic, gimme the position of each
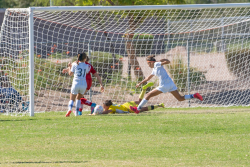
(142, 103)
(186, 97)
(81, 106)
(78, 105)
(153, 107)
(71, 103)
(142, 93)
(86, 102)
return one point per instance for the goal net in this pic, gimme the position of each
(208, 46)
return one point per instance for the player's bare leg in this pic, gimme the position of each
(177, 95)
(152, 93)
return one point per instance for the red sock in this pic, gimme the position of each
(86, 102)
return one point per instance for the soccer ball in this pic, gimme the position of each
(98, 110)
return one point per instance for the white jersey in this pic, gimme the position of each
(79, 84)
(80, 72)
(161, 73)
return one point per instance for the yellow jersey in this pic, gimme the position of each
(124, 108)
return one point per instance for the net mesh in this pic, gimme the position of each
(208, 50)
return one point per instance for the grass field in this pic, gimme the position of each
(164, 137)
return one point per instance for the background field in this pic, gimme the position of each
(164, 137)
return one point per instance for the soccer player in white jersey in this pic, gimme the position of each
(166, 84)
(79, 85)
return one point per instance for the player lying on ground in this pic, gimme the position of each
(165, 84)
(110, 107)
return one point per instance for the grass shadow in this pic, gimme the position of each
(45, 162)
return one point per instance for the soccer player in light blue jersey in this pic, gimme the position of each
(166, 84)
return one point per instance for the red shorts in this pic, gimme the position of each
(89, 83)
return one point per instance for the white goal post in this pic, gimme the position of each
(207, 45)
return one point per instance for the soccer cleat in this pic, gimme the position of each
(79, 113)
(68, 113)
(148, 85)
(162, 105)
(92, 107)
(134, 109)
(198, 96)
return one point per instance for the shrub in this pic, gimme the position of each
(106, 65)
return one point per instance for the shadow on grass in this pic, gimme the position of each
(17, 120)
(44, 162)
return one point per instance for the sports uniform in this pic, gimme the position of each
(79, 84)
(124, 108)
(88, 76)
(166, 84)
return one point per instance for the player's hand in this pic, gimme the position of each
(65, 70)
(69, 64)
(102, 89)
(137, 85)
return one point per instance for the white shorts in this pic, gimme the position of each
(78, 88)
(167, 87)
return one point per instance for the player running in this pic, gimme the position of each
(110, 107)
(165, 84)
(79, 85)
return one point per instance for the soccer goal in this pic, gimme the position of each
(208, 46)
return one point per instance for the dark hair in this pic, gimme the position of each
(81, 57)
(87, 59)
(108, 103)
(151, 58)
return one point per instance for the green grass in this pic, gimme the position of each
(165, 137)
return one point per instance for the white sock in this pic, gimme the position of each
(142, 103)
(78, 105)
(186, 97)
(71, 103)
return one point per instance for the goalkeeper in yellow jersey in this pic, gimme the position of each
(110, 107)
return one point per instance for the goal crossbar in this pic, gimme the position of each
(139, 7)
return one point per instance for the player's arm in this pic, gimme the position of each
(99, 80)
(164, 61)
(145, 80)
(70, 68)
(106, 112)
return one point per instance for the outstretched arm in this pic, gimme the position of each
(99, 80)
(67, 70)
(164, 61)
(145, 80)
(106, 112)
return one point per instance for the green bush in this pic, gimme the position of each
(179, 70)
(106, 65)
(144, 44)
(238, 62)
(48, 72)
